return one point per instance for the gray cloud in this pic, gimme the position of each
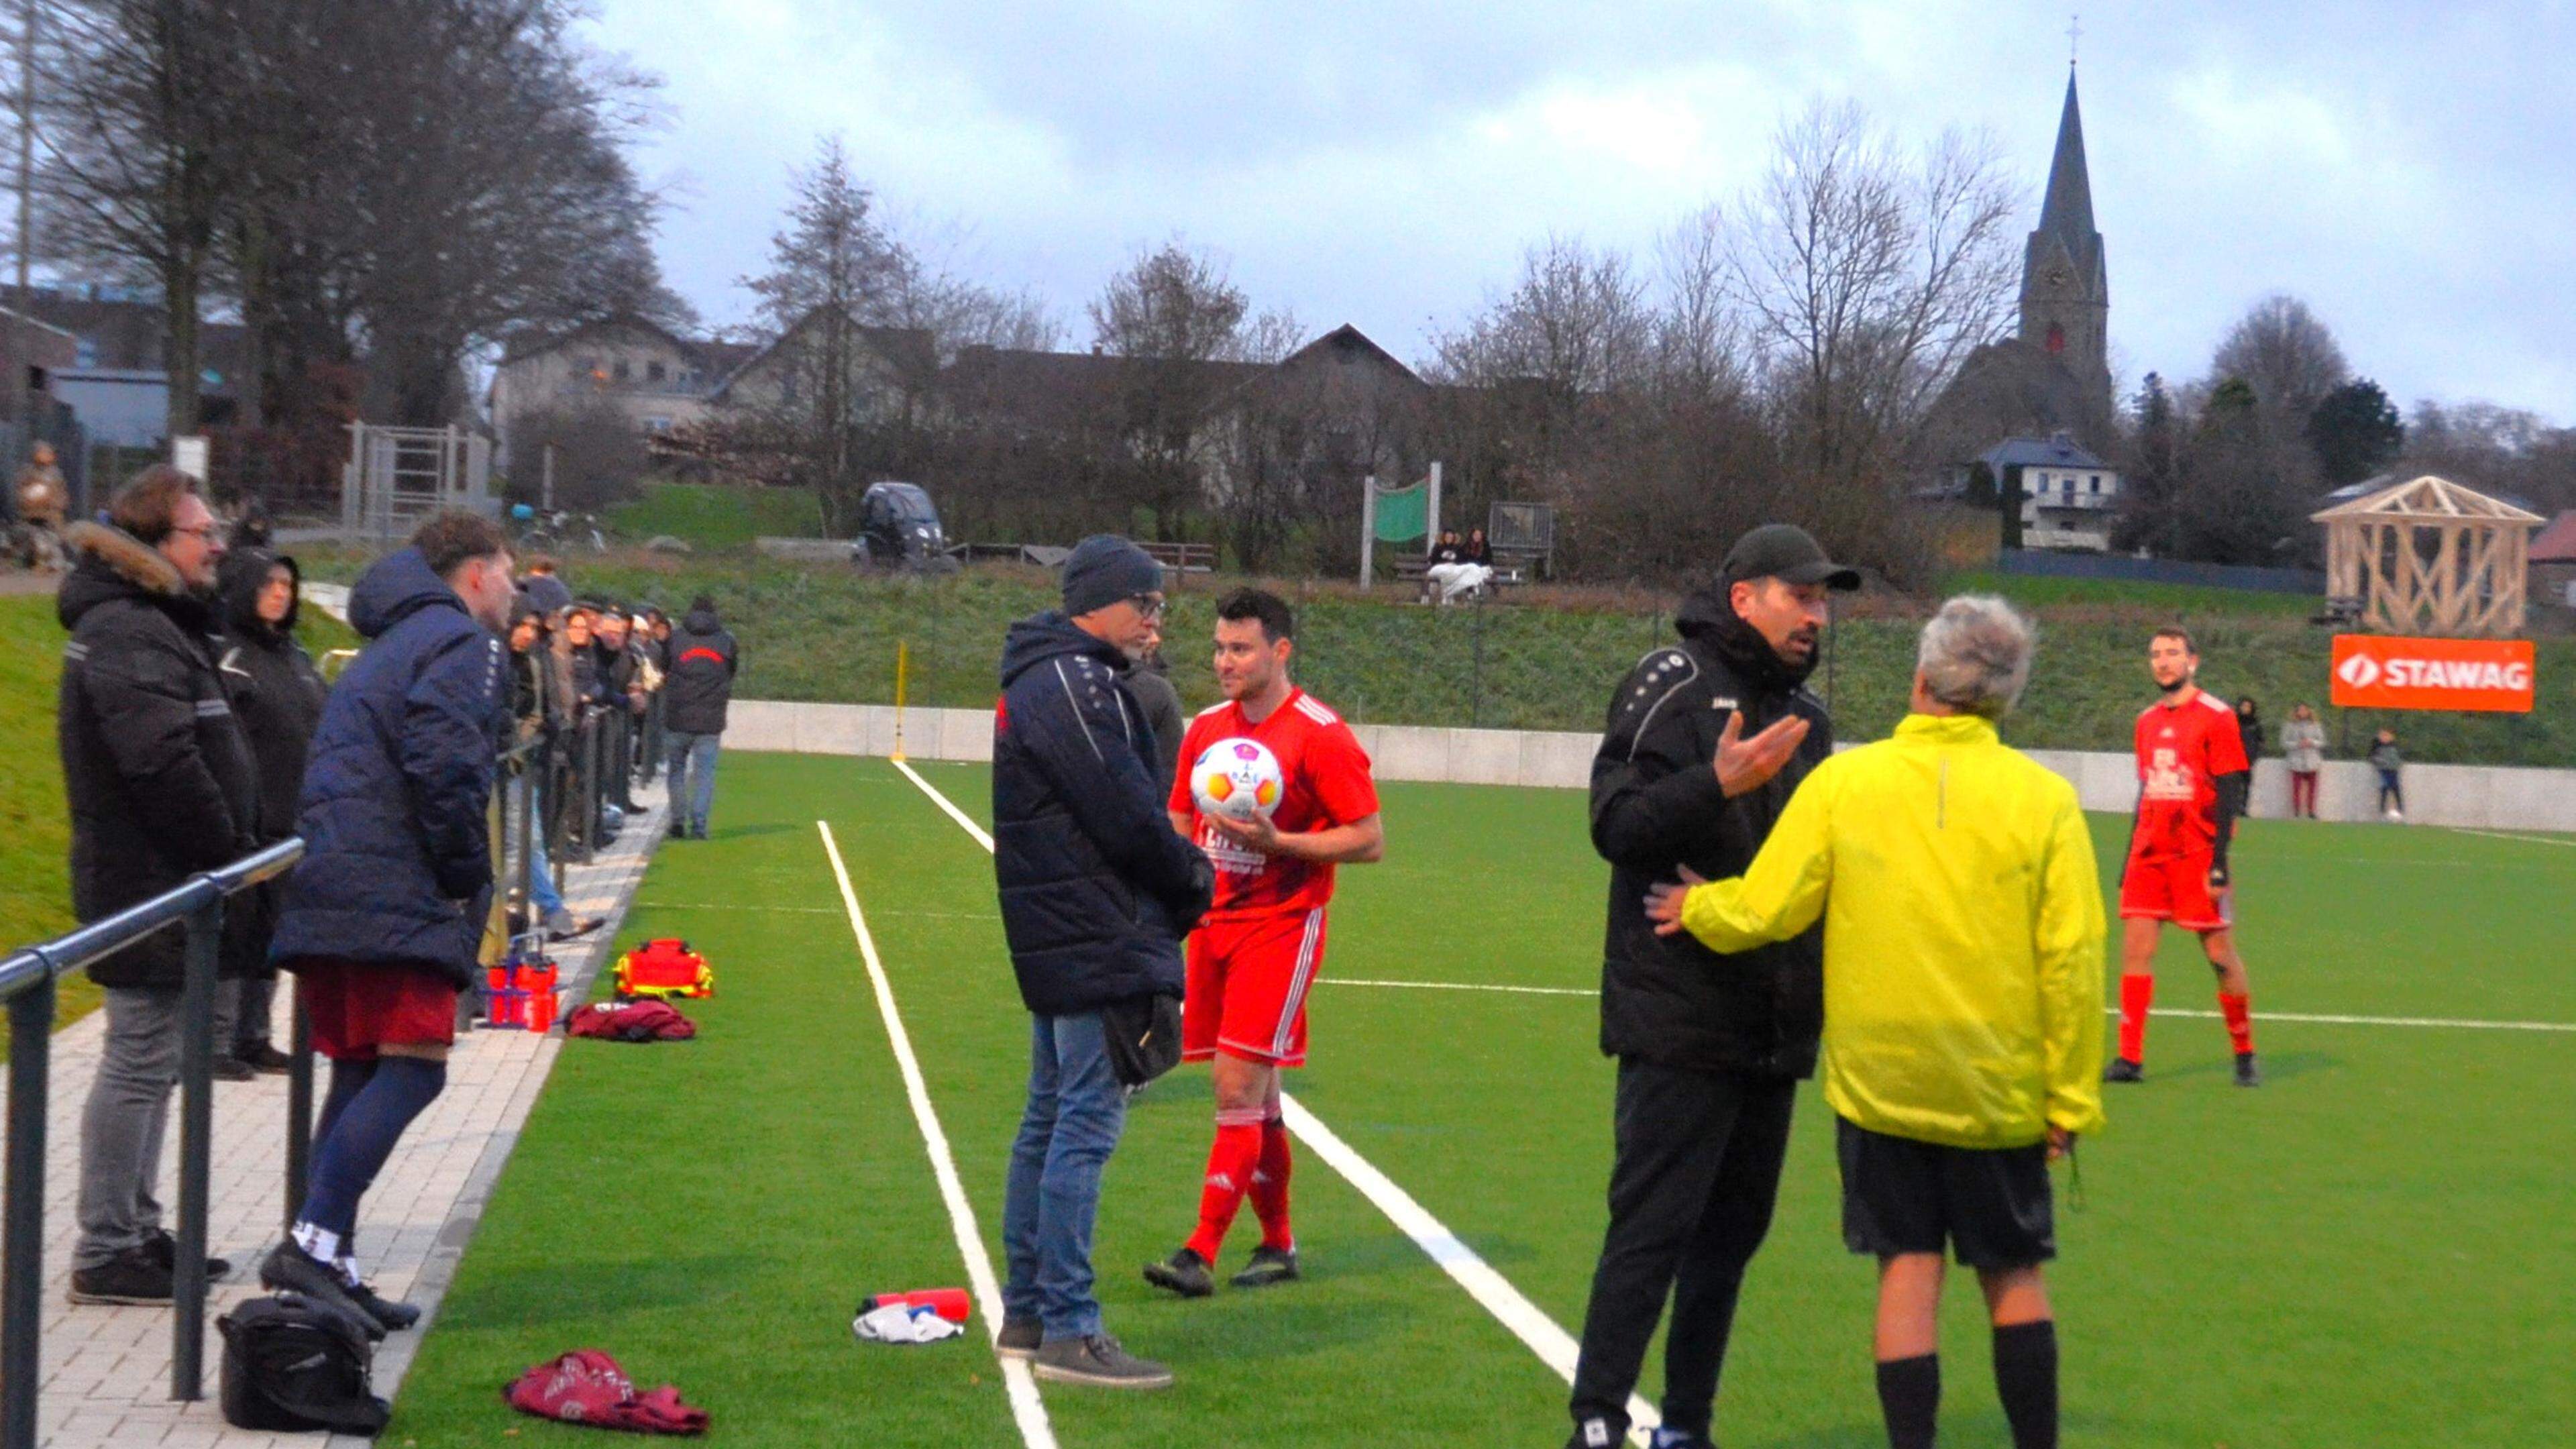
(2405, 168)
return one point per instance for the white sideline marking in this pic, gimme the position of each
(1466, 986)
(1026, 1407)
(1492, 1291)
(2508, 835)
(2312, 1018)
(967, 822)
(2322, 1020)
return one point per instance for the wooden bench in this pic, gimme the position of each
(2341, 611)
(1415, 569)
(1183, 558)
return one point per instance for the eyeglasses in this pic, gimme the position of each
(1151, 606)
(204, 532)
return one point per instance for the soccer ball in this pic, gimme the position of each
(1236, 778)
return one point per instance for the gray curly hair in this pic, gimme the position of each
(1975, 655)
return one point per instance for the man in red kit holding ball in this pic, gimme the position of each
(1275, 788)
(2192, 779)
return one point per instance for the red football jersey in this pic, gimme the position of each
(1324, 782)
(2182, 750)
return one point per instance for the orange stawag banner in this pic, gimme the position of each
(2372, 671)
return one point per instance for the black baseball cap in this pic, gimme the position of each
(1787, 552)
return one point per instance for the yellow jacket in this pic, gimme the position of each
(1963, 934)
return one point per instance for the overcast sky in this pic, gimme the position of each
(2408, 168)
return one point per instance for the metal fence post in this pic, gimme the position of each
(527, 887)
(1476, 706)
(196, 1126)
(22, 1222)
(299, 1110)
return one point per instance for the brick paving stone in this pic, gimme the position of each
(107, 1368)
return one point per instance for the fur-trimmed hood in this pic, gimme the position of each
(109, 564)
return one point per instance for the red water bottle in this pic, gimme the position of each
(952, 1304)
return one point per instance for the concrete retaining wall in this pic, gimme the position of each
(2477, 796)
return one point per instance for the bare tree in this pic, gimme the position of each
(2288, 356)
(1575, 322)
(1867, 281)
(132, 123)
(1175, 318)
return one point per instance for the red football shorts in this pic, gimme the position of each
(1247, 988)
(356, 1007)
(2172, 888)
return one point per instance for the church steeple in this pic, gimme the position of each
(2068, 211)
(2065, 282)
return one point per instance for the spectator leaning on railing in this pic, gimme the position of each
(161, 785)
(1963, 1003)
(383, 918)
(537, 705)
(277, 692)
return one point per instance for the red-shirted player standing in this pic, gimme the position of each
(2192, 779)
(1257, 949)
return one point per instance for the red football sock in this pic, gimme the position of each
(2136, 994)
(1230, 1166)
(1270, 1187)
(2239, 1011)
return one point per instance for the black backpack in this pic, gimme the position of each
(292, 1363)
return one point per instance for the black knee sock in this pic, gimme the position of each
(2026, 1380)
(1909, 1393)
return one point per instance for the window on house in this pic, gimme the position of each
(655, 425)
(625, 370)
(653, 372)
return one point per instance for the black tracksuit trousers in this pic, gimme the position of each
(1690, 1200)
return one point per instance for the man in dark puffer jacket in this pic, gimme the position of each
(161, 786)
(1097, 891)
(696, 689)
(382, 920)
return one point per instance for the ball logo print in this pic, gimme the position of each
(1236, 778)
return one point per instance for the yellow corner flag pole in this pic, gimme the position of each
(902, 670)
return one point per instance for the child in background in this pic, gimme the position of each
(2387, 761)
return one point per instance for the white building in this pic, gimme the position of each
(2068, 497)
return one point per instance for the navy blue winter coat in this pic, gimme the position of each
(397, 864)
(1097, 888)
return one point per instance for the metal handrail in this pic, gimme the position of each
(27, 980)
(27, 990)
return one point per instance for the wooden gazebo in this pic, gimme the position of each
(2429, 556)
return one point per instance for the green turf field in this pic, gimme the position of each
(2372, 1250)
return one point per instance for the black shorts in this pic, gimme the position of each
(1904, 1196)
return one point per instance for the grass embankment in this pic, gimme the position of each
(709, 516)
(35, 829)
(823, 632)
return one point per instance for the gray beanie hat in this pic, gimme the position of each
(1105, 568)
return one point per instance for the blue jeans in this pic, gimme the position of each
(1076, 1111)
(692, 754)
(542, 894)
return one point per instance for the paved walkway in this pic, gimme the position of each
(107, 1369)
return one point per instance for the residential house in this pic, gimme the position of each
(2069, 498)
(651, 375)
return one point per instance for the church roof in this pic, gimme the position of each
(2557, 542)
(2067, 212)
(2058, 451)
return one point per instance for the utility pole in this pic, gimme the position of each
(20, 405)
